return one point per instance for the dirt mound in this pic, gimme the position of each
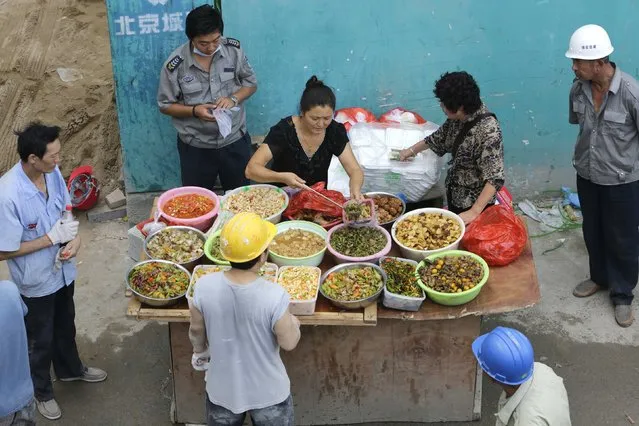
(45, 41)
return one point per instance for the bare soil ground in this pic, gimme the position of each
(38, 37)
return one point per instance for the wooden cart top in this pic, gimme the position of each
(509, 288)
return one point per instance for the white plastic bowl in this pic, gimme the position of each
(419, 255)
(312, 260)
(302, 307)
(274, 219)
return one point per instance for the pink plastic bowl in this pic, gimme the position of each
(203, 223)
(340, 258)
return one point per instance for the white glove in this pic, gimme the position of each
(200, 360)
(62, 233)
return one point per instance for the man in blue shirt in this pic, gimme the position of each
(33, 198)
(16, 389)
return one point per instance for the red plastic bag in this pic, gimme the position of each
(505, 198)
(401, 115)
(497, 235)
(306, 203)
(350, 116)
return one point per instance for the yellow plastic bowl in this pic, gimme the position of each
(453, 299)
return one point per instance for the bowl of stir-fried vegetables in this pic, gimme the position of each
(353, 285)
(158, 283)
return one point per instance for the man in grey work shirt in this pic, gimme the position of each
(208, 72)
(604, 101)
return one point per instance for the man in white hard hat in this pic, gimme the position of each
(604, 101)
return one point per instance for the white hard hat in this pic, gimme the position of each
(589, 42)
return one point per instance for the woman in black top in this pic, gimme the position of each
(300, 148)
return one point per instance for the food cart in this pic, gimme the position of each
(373, 364)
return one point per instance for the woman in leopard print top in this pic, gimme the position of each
(473, 136)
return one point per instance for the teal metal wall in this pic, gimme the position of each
(380, 54)
(143, 33)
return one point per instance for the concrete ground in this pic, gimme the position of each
(578, 338)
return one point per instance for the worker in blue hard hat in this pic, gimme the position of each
(532, 393)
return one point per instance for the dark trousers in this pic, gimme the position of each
(610, 220)
(50, 325)
(201, 166)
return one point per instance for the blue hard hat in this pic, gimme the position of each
(506, 355)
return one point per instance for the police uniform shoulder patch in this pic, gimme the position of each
(233, 42)
(174, 63)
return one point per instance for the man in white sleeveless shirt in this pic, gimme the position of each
(240, 321)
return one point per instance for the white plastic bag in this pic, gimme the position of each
(400, 115)
(372, 144)
(224, 121)
(156, 225)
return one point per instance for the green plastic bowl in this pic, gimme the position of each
(453, 299)
(312, 260)
(208, 245)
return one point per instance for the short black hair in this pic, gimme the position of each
(34, 139)
(245, 266)
(203, 20)
(458, 89)
(315, 94)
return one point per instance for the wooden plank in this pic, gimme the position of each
(327, 315)
(133, 308)
(335, 319)
(370, 314)
(509, 288)
(399, 371)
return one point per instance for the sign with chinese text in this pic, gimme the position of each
(143, 33)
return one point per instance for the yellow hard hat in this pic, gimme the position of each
(245, 237)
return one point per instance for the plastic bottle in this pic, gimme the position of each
(67, 216)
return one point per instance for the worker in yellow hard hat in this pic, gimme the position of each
(243, 320)
(245, 238)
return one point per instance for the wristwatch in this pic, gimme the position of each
(234, 99)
